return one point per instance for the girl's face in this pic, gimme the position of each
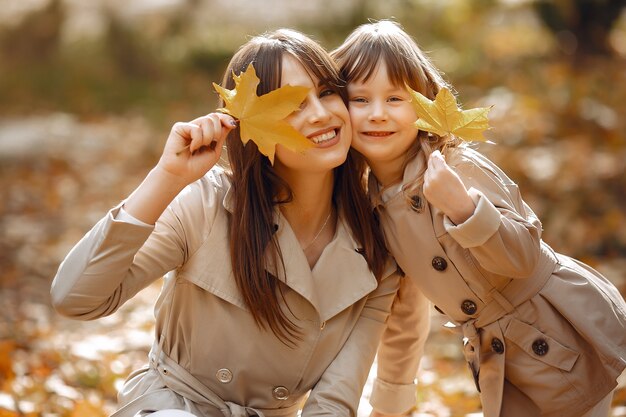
(382, 120)
(323, 118)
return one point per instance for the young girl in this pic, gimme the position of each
(545, 335)
(279, 284)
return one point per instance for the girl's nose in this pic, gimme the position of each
(378, 112)
(318, 112)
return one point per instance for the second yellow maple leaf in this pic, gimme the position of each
(261, 118)
(442, 116)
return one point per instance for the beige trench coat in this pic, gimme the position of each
(211, 358)
(550, 325)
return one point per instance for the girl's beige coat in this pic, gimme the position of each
(210, 357)
(550, 325)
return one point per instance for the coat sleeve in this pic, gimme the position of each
(117, 259)
(338, 391)
(401, 350)
(503, 235)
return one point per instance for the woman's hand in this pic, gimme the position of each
(193, 148)
(444, 189)
(190, 151)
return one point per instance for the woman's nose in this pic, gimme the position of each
(318, 112)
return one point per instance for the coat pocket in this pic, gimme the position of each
(539, 366)
(541, 346)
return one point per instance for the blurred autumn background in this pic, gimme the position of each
(89, 90)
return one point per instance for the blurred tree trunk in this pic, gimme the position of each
(582, 27)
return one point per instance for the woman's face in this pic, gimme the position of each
(322, 118)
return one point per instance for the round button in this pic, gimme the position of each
(540, 347)
(468, 307)
(224, 375)
(416, 203)
(280, 393)
(439, 263)
(497, 346)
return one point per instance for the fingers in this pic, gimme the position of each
(436, 160)
(207, 132)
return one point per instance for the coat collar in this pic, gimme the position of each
(379, 196)
(340, 277)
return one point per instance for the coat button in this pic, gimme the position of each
(280, 393)
(468, 307)
(322, 325)
(497, 346)
(540, 347)
(416, 203)
(224, 375)
(439, 263)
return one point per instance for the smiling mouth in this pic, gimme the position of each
(324, 137)
(377, 134)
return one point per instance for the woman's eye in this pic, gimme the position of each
(327, 92)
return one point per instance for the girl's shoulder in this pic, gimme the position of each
(468, 161)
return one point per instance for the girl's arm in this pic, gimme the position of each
(400, 351)
(116, 259)
(338, 391)
(501, 232)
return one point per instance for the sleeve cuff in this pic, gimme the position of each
(389, 398)
(481, 225)
(126, 217)
(118, 229)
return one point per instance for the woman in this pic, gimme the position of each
(279, 283)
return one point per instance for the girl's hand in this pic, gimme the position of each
(193, 148)
(444, 189)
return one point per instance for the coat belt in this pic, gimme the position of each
(488, 372)
(179, 380)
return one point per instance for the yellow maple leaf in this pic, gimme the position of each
(443, 116)
(261, 118)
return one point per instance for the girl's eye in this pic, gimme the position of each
(358, 100)
(327, 92)
(395, 98)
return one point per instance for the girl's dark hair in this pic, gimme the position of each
(257, 189)
(407, 65)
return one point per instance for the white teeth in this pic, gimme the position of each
(324, 136)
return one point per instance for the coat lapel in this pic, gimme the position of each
(339, 279)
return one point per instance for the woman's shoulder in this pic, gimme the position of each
(210, 188)
(202, 201)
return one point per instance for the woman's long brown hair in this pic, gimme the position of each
(257, 189)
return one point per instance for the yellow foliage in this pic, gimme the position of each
(443, 116)
(85, 408)
(261, 118)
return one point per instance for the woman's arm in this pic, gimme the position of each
(401, 350)
(116, 259)
(338, 391)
